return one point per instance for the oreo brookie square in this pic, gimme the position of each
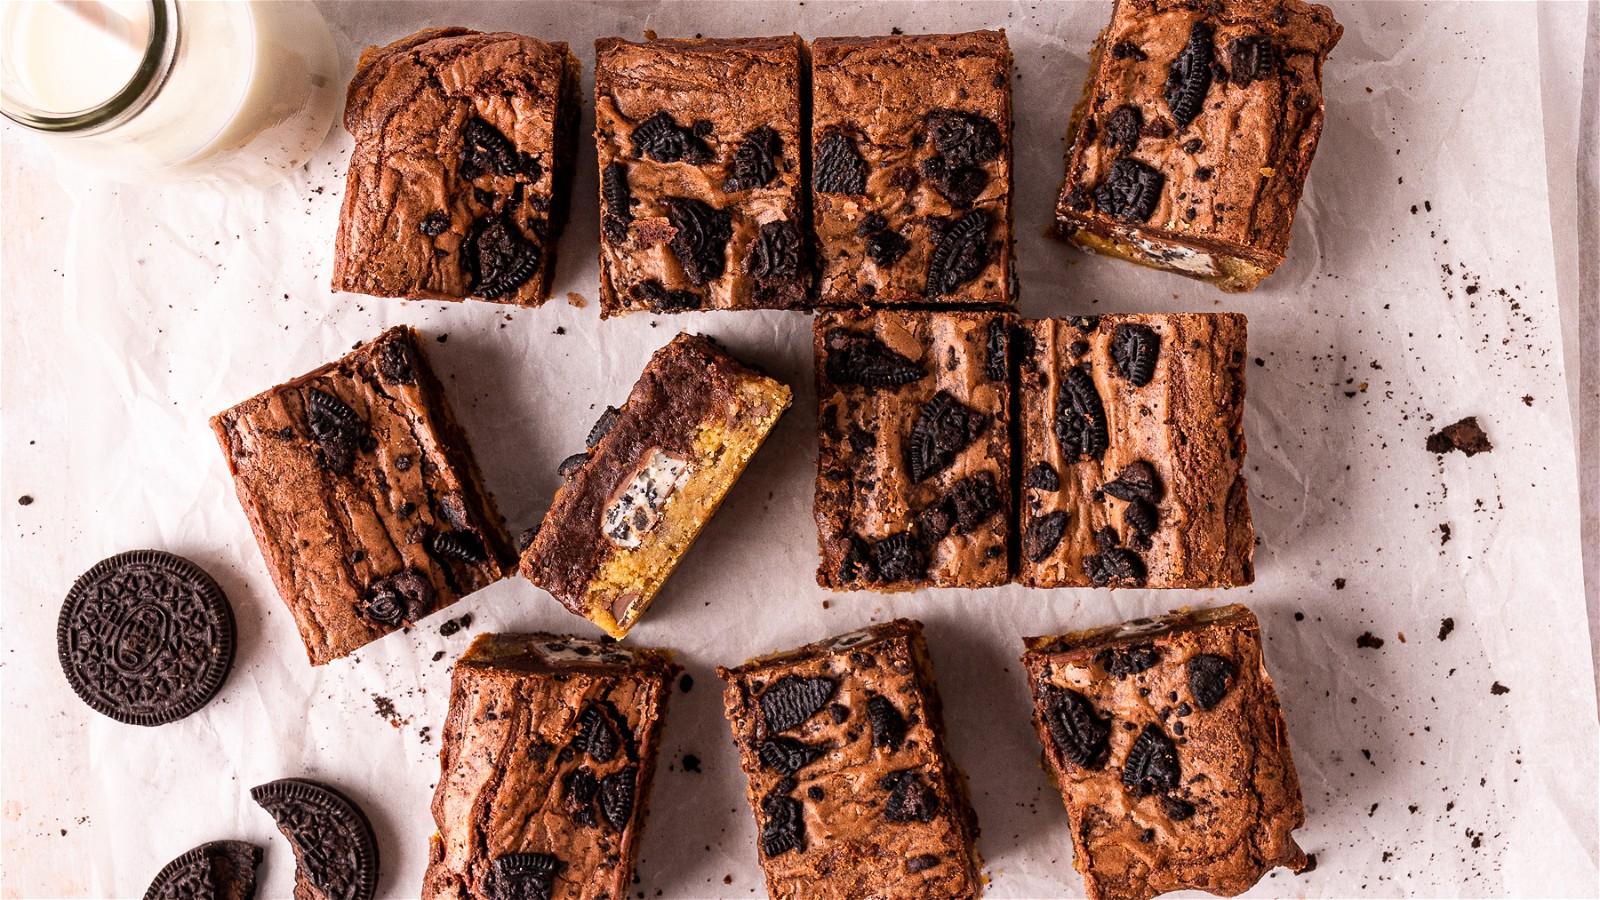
(363, 494)
(548, 754)
(913, 449)
(701, 194)
(853, 790)
(459, 180)
(1166, 740)
(911, 170)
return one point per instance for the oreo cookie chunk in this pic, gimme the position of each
(335, 851)
(145, 637)
(224, 870)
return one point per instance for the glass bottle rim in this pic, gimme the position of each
(142, 87)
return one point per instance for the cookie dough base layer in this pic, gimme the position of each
(1232, 274)
(628, 581)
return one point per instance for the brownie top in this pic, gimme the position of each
(841, 742)
(363, 494)
(1167, 740)
(545, 764)
(912, 168)
(1139, 631)
(1222, 101)
(700, 183)
(688, 382)
(454, 167)
(543, 654)
(883, 631)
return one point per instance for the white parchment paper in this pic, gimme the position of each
(1421, 287)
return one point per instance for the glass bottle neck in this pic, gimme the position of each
(154, 67)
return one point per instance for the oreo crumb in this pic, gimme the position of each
(1444, 533)
(1464, 435)
(1446, 626)
(686, 682)
(454, 625)
(1369, 641)
(438, 656)
(443, 337)
(25, 500)
(691, 763)
(1338, 584)
(1497, 689)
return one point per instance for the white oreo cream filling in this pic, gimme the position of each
(1176, 256)
(637, 508)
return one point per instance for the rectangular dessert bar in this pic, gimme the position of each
(701, 181)
(911, 169)
(546, 764)
(1166, 740)
(1132, 452)
(853, 791)
(1195, 133)
(914, 481)
(364, 496)
(652, 476)
(460, 176)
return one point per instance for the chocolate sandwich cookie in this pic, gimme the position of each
(335, 851)
(145, 637)
(224, 870)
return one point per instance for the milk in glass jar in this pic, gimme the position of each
(237, 92)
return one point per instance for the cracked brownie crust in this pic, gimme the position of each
(701, 186)
(1132, 452)
(914, 449)
(459, 179)
(548, 755)
(364, 496)
(854, 793)
(911, 169)
(1166, 740)
(1195, 133)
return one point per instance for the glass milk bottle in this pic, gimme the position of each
(171, 90)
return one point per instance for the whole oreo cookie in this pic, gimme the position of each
(225, 870)
(335, 851)
(145, 637)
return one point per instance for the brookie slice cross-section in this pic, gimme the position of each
(461, 171)
(652, 476)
